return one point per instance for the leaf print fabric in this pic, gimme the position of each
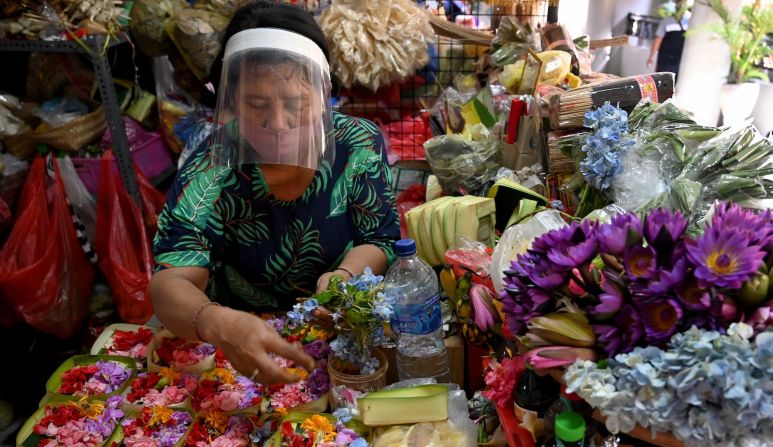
(262, 252)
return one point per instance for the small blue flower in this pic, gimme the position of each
(359, 442)
(310, 305)
(343, 415)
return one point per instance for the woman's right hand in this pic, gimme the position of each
(247, 341)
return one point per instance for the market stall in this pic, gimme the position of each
(581, 264)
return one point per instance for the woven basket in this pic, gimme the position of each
(71, 136)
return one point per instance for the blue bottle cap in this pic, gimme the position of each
(405, 247)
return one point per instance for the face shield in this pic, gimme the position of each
(274, 102)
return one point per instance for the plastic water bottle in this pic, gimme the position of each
(417, 321)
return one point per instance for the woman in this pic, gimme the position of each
(669, 39)
(283, 196)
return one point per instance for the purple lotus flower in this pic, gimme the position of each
(575, 248)
(640, 262)
(757, 227)
(692, 295)
(538, 270)
(624, 231)
(660, 318)
(610, 302)
(724, 258)
(609, 337)
(662, 227)
(521, 305)
(664, 280)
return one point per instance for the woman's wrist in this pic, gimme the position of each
(346, 270)
(208, 326)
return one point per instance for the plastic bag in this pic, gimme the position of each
(11, 123)
(173, 102)
(123, 246)
(80, 198)
(464, 165)
(193, 129)
(412, 197)
(517, 239)
(470, 257)
(12, 176)
(406, 138)
(60, 111)
(135, 134)
(458, 430)
(44, 274)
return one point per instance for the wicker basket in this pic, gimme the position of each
(71, 136)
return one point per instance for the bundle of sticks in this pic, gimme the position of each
(561, 148)
(567, 110)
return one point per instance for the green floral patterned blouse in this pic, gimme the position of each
(263, 253)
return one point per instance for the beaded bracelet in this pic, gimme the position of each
(198, 314)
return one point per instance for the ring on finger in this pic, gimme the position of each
(254, 374)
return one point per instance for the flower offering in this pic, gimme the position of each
(155, 427)
(178, 353)
(130, 344)
(83, 423)
(317, 430)
(167, 387)
(218, 429)
(103, 377)
(223, 390)
(310, 388)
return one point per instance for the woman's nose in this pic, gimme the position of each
(277, 119)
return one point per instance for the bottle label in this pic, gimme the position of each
(418, 319)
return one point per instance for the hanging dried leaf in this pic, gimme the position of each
(147, 24)
(196, 33)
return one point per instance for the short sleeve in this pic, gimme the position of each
(661, 31)
(372, 203)
(188, 229)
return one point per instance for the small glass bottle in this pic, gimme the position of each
(569, 431)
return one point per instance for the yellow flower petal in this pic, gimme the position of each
(160, 415)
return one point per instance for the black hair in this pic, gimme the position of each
(269, 14)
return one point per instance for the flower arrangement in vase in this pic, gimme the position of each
(606, 288)
(221, 389)
(165, 388)
(83, 423)
(360, 311)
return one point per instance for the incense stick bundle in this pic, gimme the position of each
(561, 147)
(567, 110)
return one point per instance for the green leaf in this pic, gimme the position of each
(299, 258)
(200, 193)
(184, 258)
(239, 286)
(339, 198)
(366, 206)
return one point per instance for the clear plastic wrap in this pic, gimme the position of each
(517, 239)
(735, 166)
(459, 430)
(464, 165)
(11, 123)
(512, 40)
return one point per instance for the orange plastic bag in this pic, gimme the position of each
(44, 274)
(123, 241)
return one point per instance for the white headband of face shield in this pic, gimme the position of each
(276, 39)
